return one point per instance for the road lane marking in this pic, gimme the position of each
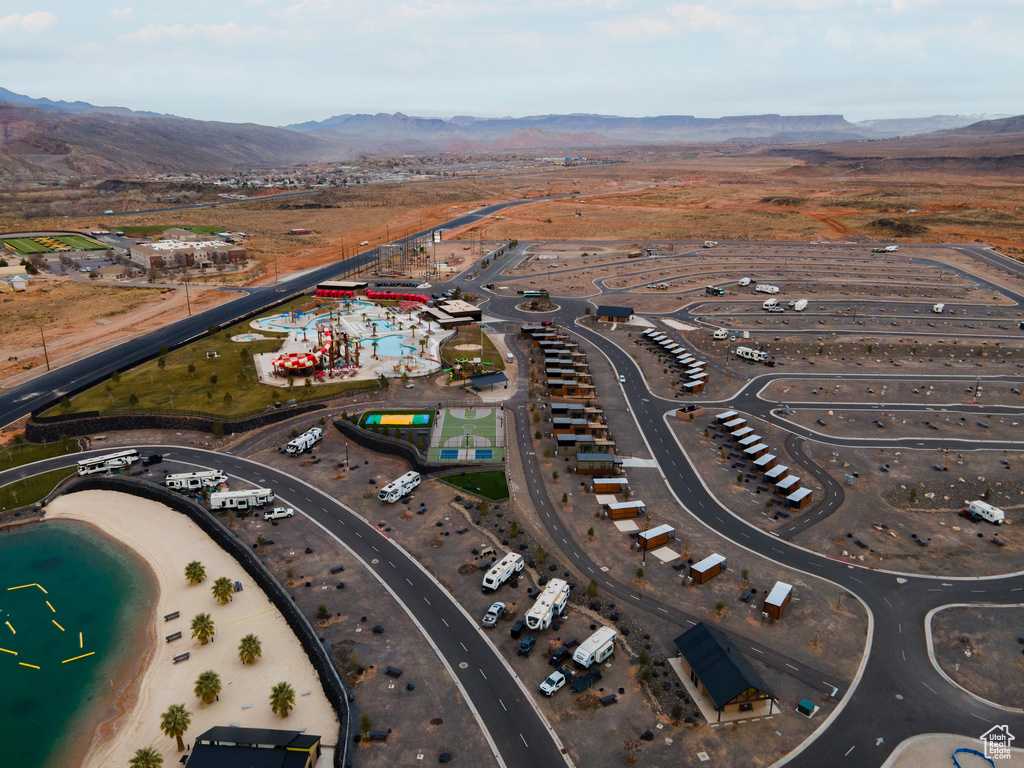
(503, 705)
(426, 601)
(850, 750)
(792, 667)
(464, 647)
(524, 741)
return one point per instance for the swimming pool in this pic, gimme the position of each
(389, 346)
(281, 322)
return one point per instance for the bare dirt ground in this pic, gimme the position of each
(879, 511)
(932, 391)
(978, 647)
(861, 424)
(77, 318)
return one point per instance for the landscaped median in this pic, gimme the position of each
(491, 484)
(25, 453)
(29, 490)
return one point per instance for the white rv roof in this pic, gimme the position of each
(709, 562)
(778, 594)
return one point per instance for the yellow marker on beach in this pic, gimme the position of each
(76, 658)
(80, 640)
(50, 606)
(10, 627)
(57, 625)
(13, 653)
(41, 587)
(33, 666)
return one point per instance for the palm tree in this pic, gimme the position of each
(195, 572)
(223, 589)
(208, 687)
(282, 699)
(203, 628)
(174, 722)
(147, 757)
(249, 649)
(374, 345)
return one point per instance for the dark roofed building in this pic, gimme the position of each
(614, 314)
(719, 671)
(231, 747)
(488, 379)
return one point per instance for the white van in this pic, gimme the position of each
(720, 334)
(745, 281)
(510, 357)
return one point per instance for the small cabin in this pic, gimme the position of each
(778, 600)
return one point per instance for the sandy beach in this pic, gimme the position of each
(167, 541)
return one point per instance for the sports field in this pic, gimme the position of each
(421, 419)
(468, 434)
(199, 229)
(57, 244)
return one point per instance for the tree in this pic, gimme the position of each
(115, 376)
(677, 712)
(161, 364)
(191, 369)
(195, 572)
(222, 590)
(541, 556)
(513, 530)
(554, 475)
(745, 575)
(217, 429)
(65, 403)
(282, 699)
(208, 687)
(592, 588)
(133, 400)
(322, 614)
(590, 533)
(365, 723)
(484, 507)
(163, 350)
(913, 495)
(213, 378)
(203, 628)
(250, 649)
(374, 344)
(639, 573)
(227, 399)
(147, 757)
(174, 722)
(565, 498)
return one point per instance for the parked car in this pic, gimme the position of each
(156, 458)
(821, 423)
(974, 517)
(559, 656)
(525, 646)
(495, 612)
(622, 379)
(279, 512)
(552, 683)
(940, 468)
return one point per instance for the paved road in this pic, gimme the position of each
(516, 727)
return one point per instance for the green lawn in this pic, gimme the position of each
(22, 493)
(26, 246)
(192, 382)
(471, 336)
(491, 485)
(26, 453)
(81, 243)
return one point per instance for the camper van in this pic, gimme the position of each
(304, 442)
(745, 281)
(937, 309)
(193, 481)
(596, 648)
(720, 334)
(396, 489)
(770, 304)
(502, 571)
(984, 511)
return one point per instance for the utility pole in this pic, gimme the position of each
(45, 355)
(188, 302)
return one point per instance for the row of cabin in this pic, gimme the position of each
(567, 372)
(694, 371)
(748, 443)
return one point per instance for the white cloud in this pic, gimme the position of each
(122, 13)
(226, 34)
(633, 28)
(837, 37)
(698, 17)
(33, 23)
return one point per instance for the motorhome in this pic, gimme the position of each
(111, 462)
(770, 303)
(986, 511)
(550, 603)
(710, 243)
(502, 571)
(596, 648)
(752, 354)
(800, 306)
(720, 334)
(891, 248)
(745, 281)
(396, 489)
(712, 290)
(244, 499)
(193, 481)
(766, 288)
(937, 309)
(304, 442)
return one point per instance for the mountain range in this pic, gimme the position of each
(41, 138)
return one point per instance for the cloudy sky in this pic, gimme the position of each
(282, 61)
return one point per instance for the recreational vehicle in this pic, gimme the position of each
(193, 481)
(550, 603)
(596, 648)
(244, 499)
(304, 442)
(502, 571)
(396, 489)
(112, 462)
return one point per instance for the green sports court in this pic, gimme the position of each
(468, 434)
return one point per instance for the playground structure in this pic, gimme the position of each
(345, 338)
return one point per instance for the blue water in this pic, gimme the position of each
(389, 346)
(94, 587)
(280, 322)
